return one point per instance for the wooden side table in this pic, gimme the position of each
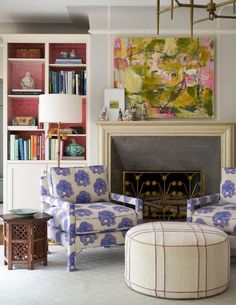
(25, 239)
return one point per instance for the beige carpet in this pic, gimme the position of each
(100, 281)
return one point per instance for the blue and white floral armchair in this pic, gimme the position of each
(84, 215)
(217, 210)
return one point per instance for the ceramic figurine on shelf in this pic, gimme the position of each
(128, 116)
(74, 149)
(143, 112)
(120, 118)
(133, 111)
(63, 54)
(104, 114)
(27, 81)
(72, 54)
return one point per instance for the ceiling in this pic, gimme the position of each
(60, 11)
(54, 11)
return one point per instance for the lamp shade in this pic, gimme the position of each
(60, 108)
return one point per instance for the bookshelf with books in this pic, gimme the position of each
(67, 68)
(48, 66)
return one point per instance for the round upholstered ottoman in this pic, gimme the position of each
(177, 260)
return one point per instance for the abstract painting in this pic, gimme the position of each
(170, 77)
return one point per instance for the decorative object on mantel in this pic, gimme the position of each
(120, 118)
(210, 9)
(104, 114)
(143, 112)
(114, 100)
(172, 77)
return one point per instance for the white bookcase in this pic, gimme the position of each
(26, 149)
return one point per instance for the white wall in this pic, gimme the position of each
(1, 59)
(106, 24)
(142, 22)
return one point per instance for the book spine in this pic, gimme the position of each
(43, 147)
(76, 84)
(66, 82)
(73, 82)
(31, 147)
(81, 82)
(70, 82)
(38, 147)
(16, 149)
(12, 146)
(21, 149)
(85, 81)
(25, 149)
(35, 151)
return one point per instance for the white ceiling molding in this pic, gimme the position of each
(162, 32)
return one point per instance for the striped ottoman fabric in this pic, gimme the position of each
(177, 260)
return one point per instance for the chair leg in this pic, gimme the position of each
(71, 261)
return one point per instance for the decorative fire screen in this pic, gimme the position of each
(164, 193)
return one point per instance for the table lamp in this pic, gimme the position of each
(60, 108)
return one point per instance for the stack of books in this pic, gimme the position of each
(68, 61)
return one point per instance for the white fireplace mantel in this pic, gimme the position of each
(109, 129)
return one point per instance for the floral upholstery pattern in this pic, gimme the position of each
(228, 185)
(85, 219)
(221, 216)
(79, 184)
(218, 210)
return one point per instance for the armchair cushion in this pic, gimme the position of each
(222, 216)
(96, 218)
(103, 217)
(81, 185)
(228, 185)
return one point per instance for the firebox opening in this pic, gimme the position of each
(164, 193)
(166, 154)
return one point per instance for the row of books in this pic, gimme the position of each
(68, 82)
(53, 151)
(27, 149)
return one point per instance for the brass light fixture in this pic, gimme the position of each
(211, 8)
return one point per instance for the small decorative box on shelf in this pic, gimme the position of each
(28, 53)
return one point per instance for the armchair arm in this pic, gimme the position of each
(63, 213)
(194, 203)
(136, 202)
(55, 202)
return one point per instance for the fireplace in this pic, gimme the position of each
(164, 192)
(166, 146)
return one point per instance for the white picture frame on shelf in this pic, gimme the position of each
(114, 100)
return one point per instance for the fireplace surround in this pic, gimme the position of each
(156, 141)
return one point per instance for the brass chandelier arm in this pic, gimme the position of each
(169, 8)
(210, 7)
(225, 3)
(224, 16)
(201, 20)
(190, 5)
(191, 16)
(158, 16)
(172, 9)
